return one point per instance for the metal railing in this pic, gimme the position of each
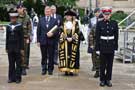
(127, 17)
(126, 44)
(126, 50)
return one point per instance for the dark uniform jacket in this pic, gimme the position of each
(107, 36)
(14, 38)
(43, 30)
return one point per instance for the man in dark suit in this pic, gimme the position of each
(106, 44)
(46, 41)
(58, 18)
(14, 47)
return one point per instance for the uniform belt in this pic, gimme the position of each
(107, 37)
(25, 37)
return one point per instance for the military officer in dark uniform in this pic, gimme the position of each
(106, 44)
(14, 47)
(46, 41)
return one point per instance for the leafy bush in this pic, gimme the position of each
(81, 12)
(119, 15)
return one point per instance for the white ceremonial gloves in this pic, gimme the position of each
(98, 52)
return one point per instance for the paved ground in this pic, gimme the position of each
(123, 75)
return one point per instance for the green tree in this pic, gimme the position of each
(67, 3)
(36, 5)
(39, 6)
(62, 5)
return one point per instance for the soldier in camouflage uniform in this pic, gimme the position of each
(25, 20)
(91, 40)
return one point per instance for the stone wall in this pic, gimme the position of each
(125, 5)
(118, 3)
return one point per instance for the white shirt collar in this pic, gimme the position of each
(48, 18)
(54, 15)
(69, 25)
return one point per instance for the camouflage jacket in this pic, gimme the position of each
(26, 23)
(91, 35)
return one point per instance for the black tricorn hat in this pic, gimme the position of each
(13, 12)
(70, 13)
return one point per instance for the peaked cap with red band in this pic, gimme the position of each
(107, 10)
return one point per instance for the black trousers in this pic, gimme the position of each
(56, 52)
(14, 72)
(28, 55)
(47, 52)
(106, 65)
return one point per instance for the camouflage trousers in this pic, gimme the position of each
(25, 54)
(95, 61)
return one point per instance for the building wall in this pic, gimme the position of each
(125, 5)
(118, 3)
(83, 3)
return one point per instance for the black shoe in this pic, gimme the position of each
(71, 74)
(18, 81)
(24, 72)
(43, 72)
(27, 67)
(102, 83)
(96, 74)
(11, 81)
(93, 69)
(50, 73)
(66, 73)
(108, 83)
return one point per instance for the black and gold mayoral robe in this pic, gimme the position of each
(69, 51)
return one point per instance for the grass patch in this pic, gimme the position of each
(3, 22)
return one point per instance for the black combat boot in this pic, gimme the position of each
(24, 71)
(96, 75)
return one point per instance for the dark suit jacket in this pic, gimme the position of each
(43, 30)
(14, 38)
(58, 18)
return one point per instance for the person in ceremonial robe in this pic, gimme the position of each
(69, 44)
